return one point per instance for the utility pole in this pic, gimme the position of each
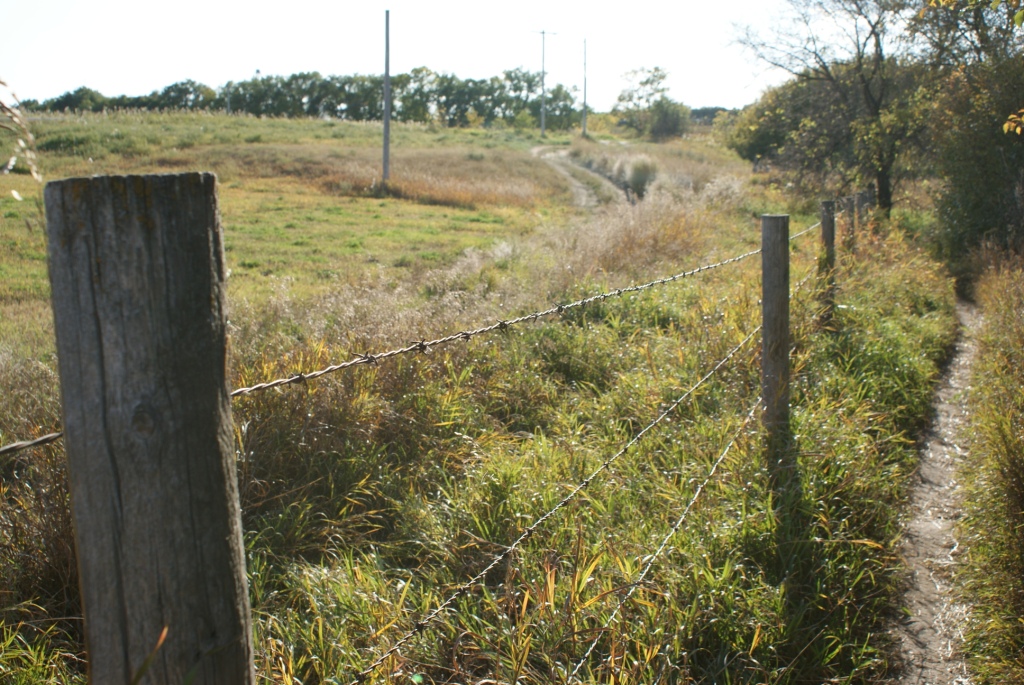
(543, 90)
(387, 96)
(584, 87)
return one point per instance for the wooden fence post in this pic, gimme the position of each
(775, 342)
(137, 274)
(862, 211)
(850, 209)
(827, 261)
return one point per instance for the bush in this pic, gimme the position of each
(642, 171)
(668, 119)
(982, 201)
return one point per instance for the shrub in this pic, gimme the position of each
(668, 119)
(642, 171)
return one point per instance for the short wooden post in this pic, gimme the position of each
(850, 209)
(862, 211)
(775, 342)
(827, 260)
(137, 274)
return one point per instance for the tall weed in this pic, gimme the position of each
(993, 528)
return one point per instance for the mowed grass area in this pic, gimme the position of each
(369, 496)
(299, 203)
(280, 230)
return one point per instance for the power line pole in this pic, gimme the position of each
(584, 87)
(543, 90)
(387, 96)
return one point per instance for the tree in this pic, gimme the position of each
(978, 51)
(521, 88)
(84, 99)
(561, 111)
(668, 119)
(413, 93)
(1013, 6)
(186, 95)
(635, 102)
(853, 53)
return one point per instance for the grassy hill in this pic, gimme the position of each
(370, 495)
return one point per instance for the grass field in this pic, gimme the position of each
(370, 495)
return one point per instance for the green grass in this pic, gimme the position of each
(438, 481)
(370, 495)
(992, 580)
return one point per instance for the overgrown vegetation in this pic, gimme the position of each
(895, 94)
(368, 496)
(992, 580)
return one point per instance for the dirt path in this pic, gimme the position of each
(583, 194)
(929, 636)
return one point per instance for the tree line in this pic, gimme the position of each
(420, 96)
(888, 92)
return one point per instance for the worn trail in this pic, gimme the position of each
(930, 634)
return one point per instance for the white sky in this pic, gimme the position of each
(133, 47)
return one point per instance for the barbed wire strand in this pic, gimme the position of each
(425, 345)
(565, 501)
(18, 446)
(805, 231)
(664, 542)
(802, 282)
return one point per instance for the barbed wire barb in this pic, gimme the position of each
(565, 501)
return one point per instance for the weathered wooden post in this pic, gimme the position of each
(862, 211)
(850, 209)
(827, 261)
(137, 273)
(775, 343)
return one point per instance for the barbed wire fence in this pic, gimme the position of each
(573, 494)
(654, 556)
(425, 345)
